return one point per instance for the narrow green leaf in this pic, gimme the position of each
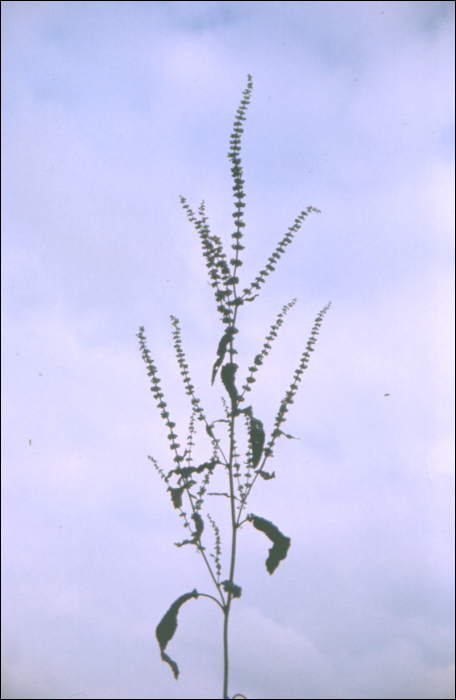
(168, 625)
(290, 437)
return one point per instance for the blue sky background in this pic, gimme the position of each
(111, 110)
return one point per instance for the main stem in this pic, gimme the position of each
(233, 540)
(233, 560)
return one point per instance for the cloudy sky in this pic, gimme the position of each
(111, 111)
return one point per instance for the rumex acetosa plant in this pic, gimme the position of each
(189, 482)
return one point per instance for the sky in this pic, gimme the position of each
(111, 111)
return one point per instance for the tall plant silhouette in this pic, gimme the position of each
(187, 481)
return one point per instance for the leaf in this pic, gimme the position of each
(199, 527)
(222, 347)
(168, 625)
(230, 587)
(185, 472)
(257, 436)
(290, 437)
(266, 475)
(228, 374)
(176, 493)
(176, 496)
(281, 544)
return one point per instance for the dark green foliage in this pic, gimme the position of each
(257, 437)
(218, 546)
(184, 368)
(168, 625)
(241, 472)
(199, 527)
(176, 496)
(176, 493)
(290, 437)
(236, 171)
(230, 587)
(272, 261)
(289, 396)
(258, 361)
(225, 340)
(160, 471)
(266, 475)
(228, 373)
(158, 394)
(185, 472)
(281, 544)
(216, 262)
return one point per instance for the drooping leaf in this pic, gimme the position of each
(256, 434)
(266, 475)
(176, 496)
(176, 493)
(281, 544)
(222, 347)
(168, 625)
(199, 527)
(228, 374)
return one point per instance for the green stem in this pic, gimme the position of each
(232, 565)
(233, 538)
(206, 595)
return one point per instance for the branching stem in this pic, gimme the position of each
(223, 274)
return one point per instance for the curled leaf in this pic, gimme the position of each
(176, 493)
(199, 525)
(228, 374)
(222, 347)
(256, 434)
(266, 475)
(168, 625)
(185, 472)
(281, 544)
(230, 587)
(176, 496)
